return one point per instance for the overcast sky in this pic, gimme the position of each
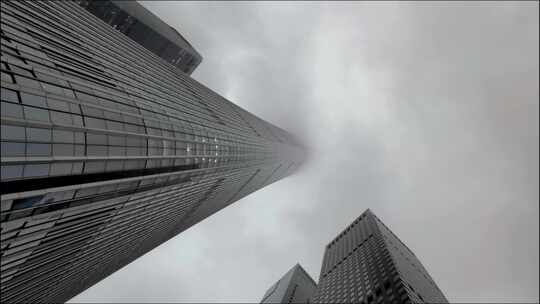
(427, 113)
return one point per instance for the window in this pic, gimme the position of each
(26, 202)
(61, 168)
(62, 149)
(12, 132)
(33, 100)
(9, 95)
(26, 82)
(11, 110)
(62, 136)
(38, 149)
(58, 105)
(35, 170)
(61, 118)
(36, 114)
(35, 134)
(9, 172)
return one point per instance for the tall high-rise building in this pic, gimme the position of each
(367, 263)
(296, 286)
(109, 151)
(139, 24)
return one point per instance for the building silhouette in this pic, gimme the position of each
(367, 263)
(296, 286)
(109, 150)
(139, 24)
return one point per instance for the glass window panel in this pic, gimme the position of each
(52, 88)
(153, 131)
(61, 168)
(79, 150)
(79, 137)
(117, 151)
(62, 136)
(33, 100)
(36, 170)
(87, 192)
(90, 167)
(132, 120)
(38, 149)
(93, 150)
(11, 110)
(36, 114)
(155, 151)
(115, 165)
(9, 172)
(100, 139)
(87, 97)
(27, 82)
(152, 163)
(112, 125)
(61, 118)
(168, 152)
(131, 164)
(91, 111)
(6, 77)
(13, 149)
(155, 143)
(117, 140)
(113, 116)
(133, 151)
(35, 134)
(69, 93)
(77, 120)
(12, 132)
(74, 108)
(94, 123)
(63, 150)
(77, 168)
(6, 205)
(58, 105)
(134, 141)
(9, 95)
(131, 128)
(26, 202)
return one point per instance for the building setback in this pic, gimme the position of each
(139, 24)
(109, 151)
(367, 263)
(296, 286)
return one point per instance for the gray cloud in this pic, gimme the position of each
(425, 113)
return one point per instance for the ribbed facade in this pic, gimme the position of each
(367, 263)
(108, 151)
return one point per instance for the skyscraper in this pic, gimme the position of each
(109, 150)
(296, 286)
(139, 24)
(367, 263)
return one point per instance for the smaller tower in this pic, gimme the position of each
(367, 263)
(296, 286)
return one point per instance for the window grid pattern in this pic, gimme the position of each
(81, 99)
(359, 267)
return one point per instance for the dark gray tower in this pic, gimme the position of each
(296, 286)
(367, 263)
(139, 24)
(109, 151)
